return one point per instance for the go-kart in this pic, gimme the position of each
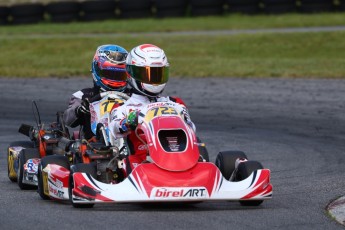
(98, 154)
(23, 157)
(175, 170)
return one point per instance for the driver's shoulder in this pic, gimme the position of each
(85, 93)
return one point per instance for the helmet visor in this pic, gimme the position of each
(113, 73)
(114, 84)
(115, 56)
(150, 75)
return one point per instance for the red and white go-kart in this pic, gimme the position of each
(175, 171)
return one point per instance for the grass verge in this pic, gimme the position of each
(227, 22)
(243, 55)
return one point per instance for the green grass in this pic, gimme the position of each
(317, 55)
(181, 24)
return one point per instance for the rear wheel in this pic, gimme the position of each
(243, 171)
(225, 161)
(25, 155)
(11, 172)
(85, 168)
(41, 186)
(42, 182)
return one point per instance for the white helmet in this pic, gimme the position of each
(148, 68)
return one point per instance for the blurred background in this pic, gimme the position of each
(33, 11)
(202, 38)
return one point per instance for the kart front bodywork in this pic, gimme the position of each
(149, 183)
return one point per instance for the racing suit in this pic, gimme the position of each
(119, 114)
(70, 116)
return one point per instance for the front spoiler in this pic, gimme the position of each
(148, 183)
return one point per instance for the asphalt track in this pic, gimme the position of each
(295, 127)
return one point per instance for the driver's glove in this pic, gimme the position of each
(130, 122)
(83, 108)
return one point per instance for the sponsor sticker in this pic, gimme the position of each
(166, 193)
(58, 183)
(55, 191)
(56, 188)
(31, 165)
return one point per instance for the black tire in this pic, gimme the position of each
(10, 159)
(316, 6)
(225, 161)
(163, 4)
(243, 171)
(206, 3)
(176, 8)
(243, 6)
(340, 6)
(63, 11)
(203, 150)
(197, 12)
(25, 155)
(242, 2)
(279, 2)
(98, 10)
(135, 8)
(86, 168)
(4, 12)
(53, 159)
(279, 6)
(27, 13)
(206, 7)
(88, 17)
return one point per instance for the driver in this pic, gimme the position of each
(109, 74)
(148, 71)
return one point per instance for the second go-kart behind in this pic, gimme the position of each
(23, 157)
(97, 154)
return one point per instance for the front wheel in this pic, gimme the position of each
(225, 161)
(243, 171)
(25, 155)
(85, 168)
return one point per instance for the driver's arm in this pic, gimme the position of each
(118, 115)
(69, 116)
